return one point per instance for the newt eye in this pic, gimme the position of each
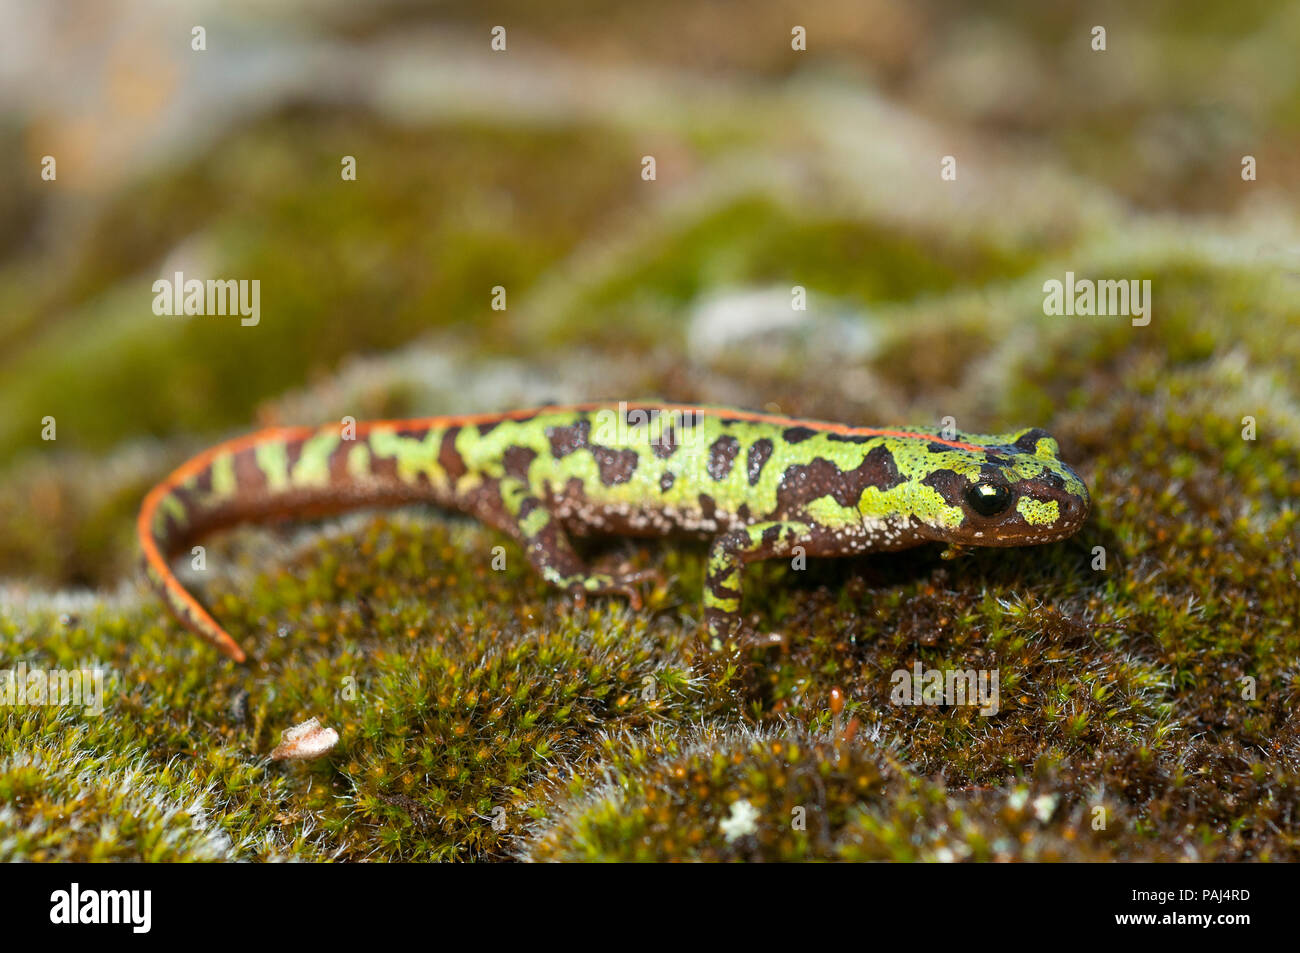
(988, 499)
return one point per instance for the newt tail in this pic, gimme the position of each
(760, 485)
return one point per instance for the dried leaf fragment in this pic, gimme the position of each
(305, 742)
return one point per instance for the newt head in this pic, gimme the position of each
(1008, 489)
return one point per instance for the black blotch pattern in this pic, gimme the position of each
(517, 460)
(667, 443)
(293, 453)
(879, 469)
(566, 440)
(449, 457)
(721, 456)
(759, 452)
(805, 482)
(948, 483)
(527, 506)
(203, 482)
(616, 466)
(1028, 441)
(708, 507)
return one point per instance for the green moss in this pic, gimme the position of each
(1145, 706)
(757, 240)
(813, 797)
(434, 221)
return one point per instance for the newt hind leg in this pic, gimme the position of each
(551, 552)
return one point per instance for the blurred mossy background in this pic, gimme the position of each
(482, 716)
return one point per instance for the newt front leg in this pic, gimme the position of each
(728, 556)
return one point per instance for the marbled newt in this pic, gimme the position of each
(762, 486)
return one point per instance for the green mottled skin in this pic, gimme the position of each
(761, 486)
